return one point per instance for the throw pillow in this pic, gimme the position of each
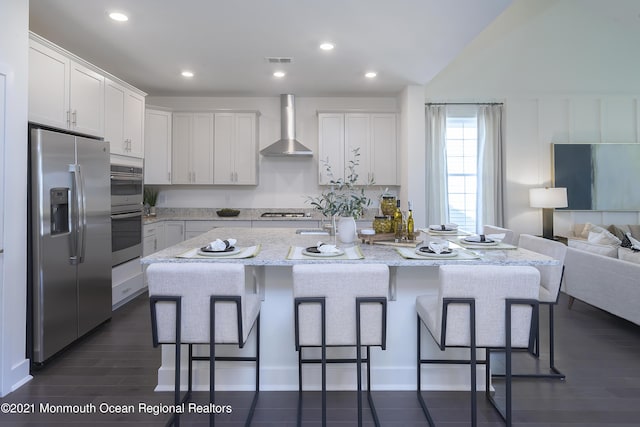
(626, 243)
(629, 255)
(635, 231)
(603, 237)
(585, 231)
(594, 248)
(616, 231)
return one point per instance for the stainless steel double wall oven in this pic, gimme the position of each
(126, 213)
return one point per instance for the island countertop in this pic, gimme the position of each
(275, 244)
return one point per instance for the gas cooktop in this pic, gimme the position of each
(284, 215)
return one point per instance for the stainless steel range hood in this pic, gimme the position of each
(287, 145)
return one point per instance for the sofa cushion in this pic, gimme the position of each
(603, 237)
(619, 231)
(595, 248)
(629, 255)
(635, 231)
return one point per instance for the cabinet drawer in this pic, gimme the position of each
(126, 290)
(150, 230)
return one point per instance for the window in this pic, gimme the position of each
(462, 170)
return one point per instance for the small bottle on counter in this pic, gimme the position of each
(397, 222)
(410, 226)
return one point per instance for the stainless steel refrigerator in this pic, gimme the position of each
(69, 239)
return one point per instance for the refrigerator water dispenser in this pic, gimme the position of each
(59, 210)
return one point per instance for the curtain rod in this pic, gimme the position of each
(464, 103)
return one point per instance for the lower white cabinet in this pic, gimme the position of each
(153, 238)
(173, 232)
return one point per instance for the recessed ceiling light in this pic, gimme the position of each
(327, 46)
(279, 74)
(370, 74)
(187, 74)
(118, 16)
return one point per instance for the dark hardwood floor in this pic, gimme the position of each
(599, 353)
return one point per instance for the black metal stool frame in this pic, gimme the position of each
(323, 360)
(153, 300)
(507, 413)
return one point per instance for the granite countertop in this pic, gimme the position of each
(276, 242)
(209, 214)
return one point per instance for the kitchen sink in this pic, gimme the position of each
(317, 231)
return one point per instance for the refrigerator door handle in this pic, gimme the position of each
(74, 217)
(80, 220)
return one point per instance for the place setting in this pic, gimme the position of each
(444, 230)
(482, 241)
(220, 248)
(325, 250)
(435, 249)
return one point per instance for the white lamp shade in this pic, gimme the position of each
(548, 197)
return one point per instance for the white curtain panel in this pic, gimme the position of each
(490, 206)
(436, 161)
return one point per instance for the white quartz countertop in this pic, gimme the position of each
(276, 242)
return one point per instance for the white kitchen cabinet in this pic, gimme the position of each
(330, 146)
(173, 233)
(375, 134)
(153, 238)
(157, 147)
(192, 148)
(124, 120)
(64, 93)
(235, 149)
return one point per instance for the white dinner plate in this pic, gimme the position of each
(219, 254)
(451, 254)
(322, 254)
(490, 243)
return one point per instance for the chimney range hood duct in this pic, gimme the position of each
(287, 145)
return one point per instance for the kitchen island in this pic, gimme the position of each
(392, 369)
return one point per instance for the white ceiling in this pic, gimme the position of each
(225, 42)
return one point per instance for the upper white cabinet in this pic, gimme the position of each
(235, 150)
(331, 145)
(64, 93)
(192, 148)
(124, 120)
(375, 136)
(157, 147)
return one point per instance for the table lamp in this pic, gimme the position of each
(548, 198)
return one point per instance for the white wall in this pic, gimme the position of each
(14, 48)
(567, 71)
(284, 182)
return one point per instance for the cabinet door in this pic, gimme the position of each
(173, 233)
(157, 147)
(48, 86)
(114, 95)
(134, 124)
(245, 149)
(330, 146)
(86, 100)
(384, 149)
(357, 135)
(180, 148)
(202, 149)
(224, 148)
(149, 245)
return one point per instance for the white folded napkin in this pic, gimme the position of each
(443, 227)
(326, 248)
(221, 245)
(635, 243)
(438, 246)
(478, 239)
(495, 237)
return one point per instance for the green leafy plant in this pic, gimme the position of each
(150, 196)
(344, 197)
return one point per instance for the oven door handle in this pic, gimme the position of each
(126, 178)
(127, 215)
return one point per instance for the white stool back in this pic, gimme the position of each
(195, 283)
(509, 235)
(550, 275)
(340, 284)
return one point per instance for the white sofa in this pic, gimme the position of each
(605, 276)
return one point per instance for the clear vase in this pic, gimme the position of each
(346, 229)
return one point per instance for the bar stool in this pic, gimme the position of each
(203, 303)
(550, 280)
(509, 236)
(340, 305)
(479, 306)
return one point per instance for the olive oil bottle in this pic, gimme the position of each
(410, 226)
(397, 222)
